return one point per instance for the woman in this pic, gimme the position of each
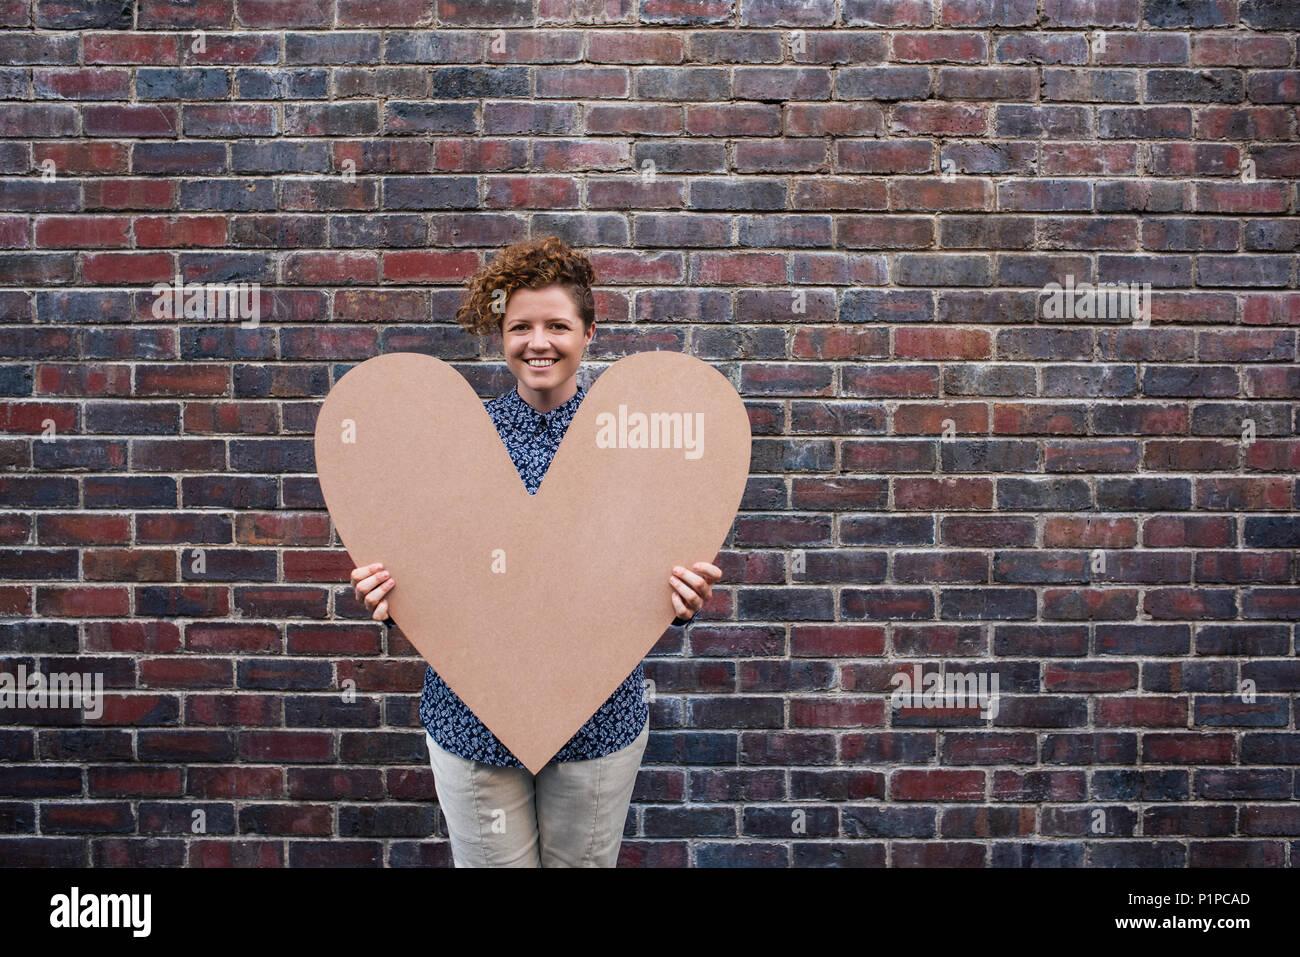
(537, 296)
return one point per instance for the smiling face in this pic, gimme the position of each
(543, 341)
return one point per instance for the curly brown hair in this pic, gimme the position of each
(532, 264)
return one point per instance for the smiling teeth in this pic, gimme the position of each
(541, 363)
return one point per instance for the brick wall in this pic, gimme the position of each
(853, 208)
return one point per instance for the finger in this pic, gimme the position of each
(713, 571)
(381, 611)
(680, 610)
(687, 592)
(692, 579)
(702, 587)
(362, 571)
(367, 585)
(375, 596)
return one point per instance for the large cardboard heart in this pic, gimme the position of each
(533, 608)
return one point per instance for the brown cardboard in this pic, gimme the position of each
(426, 486)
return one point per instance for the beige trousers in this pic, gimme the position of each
(571, 814)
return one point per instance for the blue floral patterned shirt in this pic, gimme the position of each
(532, 438)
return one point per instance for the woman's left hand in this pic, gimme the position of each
(694, 588)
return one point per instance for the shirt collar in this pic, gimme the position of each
(525, 417)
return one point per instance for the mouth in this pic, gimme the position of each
(540, 363)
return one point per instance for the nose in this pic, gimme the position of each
(539, 341)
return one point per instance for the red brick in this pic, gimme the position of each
(185, 380)
(90, 378)
(122, 269)
(16, 600)
(83, 156)
(282, 528)
(31, 417)
(127, 564)
(155, 637)
(83, 232)
(14, 232)
(180, 231)
(150, 120)
(403, 266)
(285, 13)
(86, 528)
(141, 48)
(78, 84)
(394, 13)
(82, 602)
(130, 194)
(331, 269)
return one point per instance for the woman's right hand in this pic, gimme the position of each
(372, 585)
